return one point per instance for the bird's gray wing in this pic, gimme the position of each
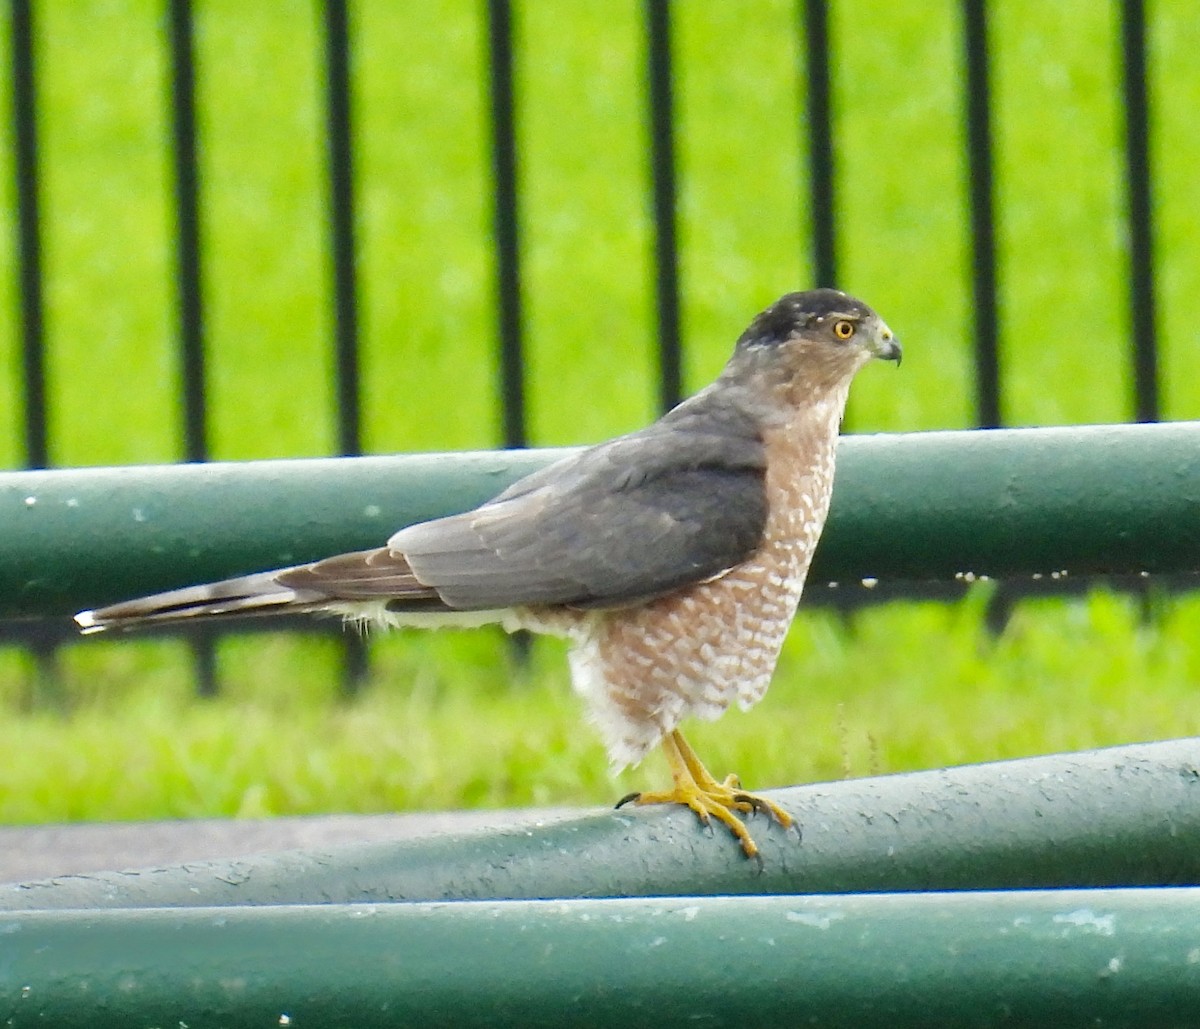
(627, 520)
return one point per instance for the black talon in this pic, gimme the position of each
(757, 804)
(627, 799)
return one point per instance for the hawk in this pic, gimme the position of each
(671, 558)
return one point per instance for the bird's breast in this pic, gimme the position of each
(696, 650)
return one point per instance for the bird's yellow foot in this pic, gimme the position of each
(695, 787)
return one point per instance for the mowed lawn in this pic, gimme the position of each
(449, 720)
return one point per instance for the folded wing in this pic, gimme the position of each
(619, 523)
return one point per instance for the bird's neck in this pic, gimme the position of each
(797, 412)
(801, 448)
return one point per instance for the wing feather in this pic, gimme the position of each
(644, 514)
(628, 520)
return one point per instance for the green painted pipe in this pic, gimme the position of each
(1061, 959)
(1126, 816)
(1119, 499)
(77, 537)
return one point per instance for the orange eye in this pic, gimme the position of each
(843, 329)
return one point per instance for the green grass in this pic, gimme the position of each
(447, 724)
(447, 720)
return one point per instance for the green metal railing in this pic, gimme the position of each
(641, 916)
(920, 506)
(652, 934)
(1125, 816)
(1066, 959)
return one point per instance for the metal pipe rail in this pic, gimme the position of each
(1063, 959)
(1126, 816)
(1115, 499)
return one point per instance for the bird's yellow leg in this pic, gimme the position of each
(745, 801)
(695, 787)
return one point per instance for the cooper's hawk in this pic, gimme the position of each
(672, 558)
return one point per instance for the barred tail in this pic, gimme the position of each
(246, 595)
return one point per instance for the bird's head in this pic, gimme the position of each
(817, 339)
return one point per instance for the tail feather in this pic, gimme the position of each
(245, 595)
(358, 585)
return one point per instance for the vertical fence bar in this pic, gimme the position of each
(29, 273)
(204, 661)
(981, 203)
(340, 156)
(1142, 308)
(338, 138)
(821, 167)
(660, 97)
(187, 240)
(981, 196)
(505, 221)
(506, 225)
(29, 239)
(188, 280)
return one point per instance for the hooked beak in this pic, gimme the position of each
(886, 347)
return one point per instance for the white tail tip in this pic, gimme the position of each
(86, 620)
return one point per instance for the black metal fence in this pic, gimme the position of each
(814, 84)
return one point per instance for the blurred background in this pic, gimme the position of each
(241, 231)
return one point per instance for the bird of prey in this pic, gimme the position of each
(671, 558)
